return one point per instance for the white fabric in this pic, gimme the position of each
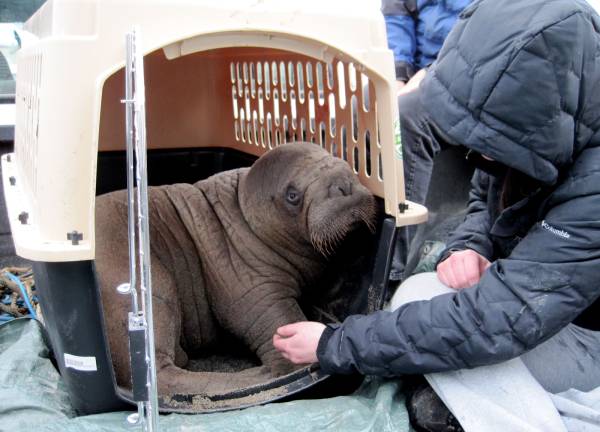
(503, 397)
(580, 411)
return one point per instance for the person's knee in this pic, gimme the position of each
(422, 286)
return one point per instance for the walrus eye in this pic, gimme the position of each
(292, 196)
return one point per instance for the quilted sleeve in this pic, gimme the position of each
(549, 278)
(401, 35)
(473, 232)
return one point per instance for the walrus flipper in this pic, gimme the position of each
(271, 307)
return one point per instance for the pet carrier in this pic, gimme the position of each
(225, 82)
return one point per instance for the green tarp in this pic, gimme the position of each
(34, 398)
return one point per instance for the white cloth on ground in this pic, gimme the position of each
(580, 411)
(502, 397)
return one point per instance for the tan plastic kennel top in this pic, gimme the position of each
(242, 74)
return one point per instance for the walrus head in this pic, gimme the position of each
(299, 196)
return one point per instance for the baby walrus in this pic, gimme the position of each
(231, 252)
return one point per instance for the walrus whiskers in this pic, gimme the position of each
(326, 239)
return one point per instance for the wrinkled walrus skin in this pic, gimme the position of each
(230, 252)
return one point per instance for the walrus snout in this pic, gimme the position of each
(348, 206)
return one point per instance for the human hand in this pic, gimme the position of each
(462, 269)
(298, 342)
(413, 83)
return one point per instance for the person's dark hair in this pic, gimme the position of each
(515, 187)
(515, 184)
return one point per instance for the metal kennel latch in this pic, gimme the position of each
(141, 328)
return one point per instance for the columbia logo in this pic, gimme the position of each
(555, 231)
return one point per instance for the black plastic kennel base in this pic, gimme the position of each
(357, 282)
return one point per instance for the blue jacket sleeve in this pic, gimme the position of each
(550, 277)
(401, 35)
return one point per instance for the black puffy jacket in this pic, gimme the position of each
(519, 81)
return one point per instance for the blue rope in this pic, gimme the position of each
(16, 280)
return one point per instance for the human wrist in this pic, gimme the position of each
(446, 254)
(324, 339)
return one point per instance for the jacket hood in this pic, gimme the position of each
(515, 81)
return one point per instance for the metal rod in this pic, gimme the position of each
(137, 206)
(130, 168)
(139, 98)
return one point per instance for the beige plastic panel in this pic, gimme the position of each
(70, 85)
(252, 100)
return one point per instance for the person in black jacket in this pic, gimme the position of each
(517, 83)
